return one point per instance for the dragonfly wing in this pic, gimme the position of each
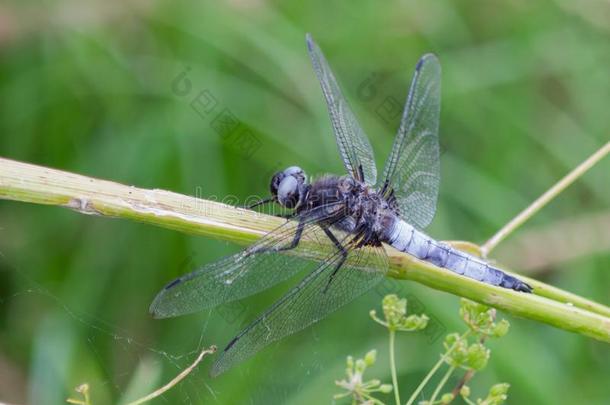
(308, 302)
(354, 146)
(254, 269)
(412, 170)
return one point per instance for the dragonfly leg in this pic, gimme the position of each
(293, 244)
(341, 249)
(297, 237)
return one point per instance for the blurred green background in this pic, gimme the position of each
(96, 88)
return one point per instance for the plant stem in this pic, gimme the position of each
(469, 374)
(424, 382)
(544, 199)
(433, 371)
(372, 400)
(393, 366)
(35, 184)
(463, 381)
(441, 384)
(468, 401)
(175, 380)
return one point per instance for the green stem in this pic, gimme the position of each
(424, 382)
(373, 400)
(433, 371)
(35, 184)
(441, 384)
(393, 366)
(468, 401)
(544, 199)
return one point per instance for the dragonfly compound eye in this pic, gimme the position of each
(296, 172)
(288, 192)
(275, 182)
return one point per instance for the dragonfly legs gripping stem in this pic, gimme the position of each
(341, 249)
(293, 244)
(296, 239)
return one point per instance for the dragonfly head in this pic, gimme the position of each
(288, 186)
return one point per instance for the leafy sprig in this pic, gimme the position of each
(466, 351)
(355, 386)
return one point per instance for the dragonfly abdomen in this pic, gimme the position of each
(406, 238)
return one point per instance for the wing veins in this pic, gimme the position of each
(353, 144)
(307, 303)
(244, 273)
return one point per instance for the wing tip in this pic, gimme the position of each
(215, 371)
(426, 57)
(154, 309)
(311, 44)
(219, 366)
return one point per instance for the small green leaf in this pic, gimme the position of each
(360, 366)
(481, 319)
(414, 322)
(501, 328)
(370, 357)
(394, 309)
(446, 398)
(477, 356)
(499, 389)
(497, 394)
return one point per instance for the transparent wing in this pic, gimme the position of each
(353, 143)
(311, 300)
(256, 268)
(412, 170)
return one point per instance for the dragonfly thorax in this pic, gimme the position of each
(350, 205)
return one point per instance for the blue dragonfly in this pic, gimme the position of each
(337, 226)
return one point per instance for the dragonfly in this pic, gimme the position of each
(337, 226)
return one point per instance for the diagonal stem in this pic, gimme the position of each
(544, 199)
(433, 371)
(183, 374)
(40, 185)
(441, 384)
